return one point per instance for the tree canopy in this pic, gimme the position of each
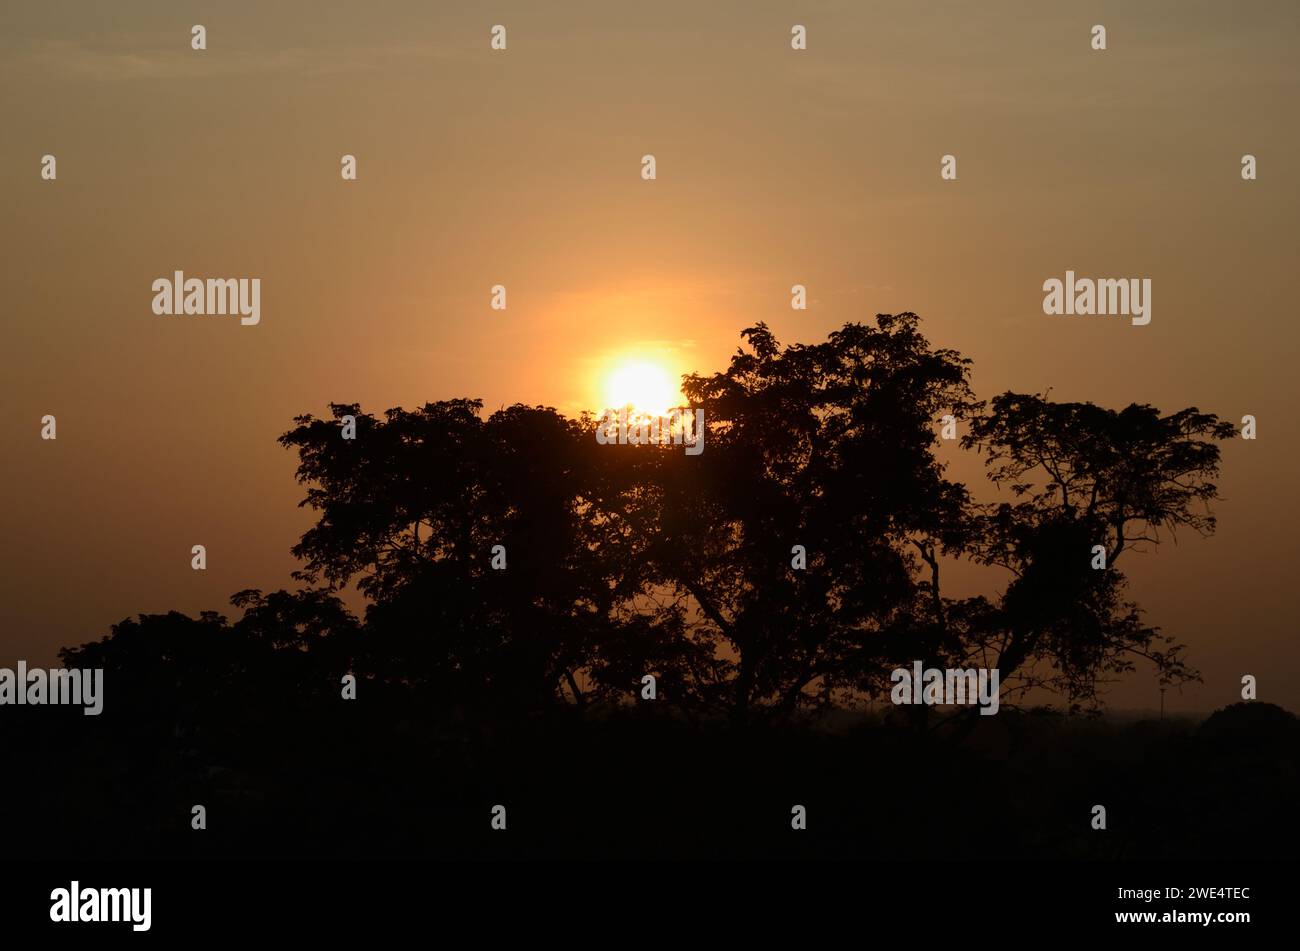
(617, 562)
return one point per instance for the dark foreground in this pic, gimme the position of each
(323, 778)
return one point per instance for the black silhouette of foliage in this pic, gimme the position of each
(623, 561)
(1086, 476)
(412, 509)
(829, 447)
(634, 560)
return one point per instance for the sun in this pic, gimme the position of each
(643, 385)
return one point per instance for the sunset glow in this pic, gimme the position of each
(642, 384)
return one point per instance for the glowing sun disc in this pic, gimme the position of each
(643, 385)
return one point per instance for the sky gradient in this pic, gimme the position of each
(522, 168)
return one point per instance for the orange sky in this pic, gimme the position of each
(522, 168)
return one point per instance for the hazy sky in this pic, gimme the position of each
(522, 168)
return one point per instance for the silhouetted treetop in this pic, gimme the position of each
(513, 563)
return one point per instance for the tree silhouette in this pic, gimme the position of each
(622, 561)
(830, 447)
(1086, 476)
(413, 508)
